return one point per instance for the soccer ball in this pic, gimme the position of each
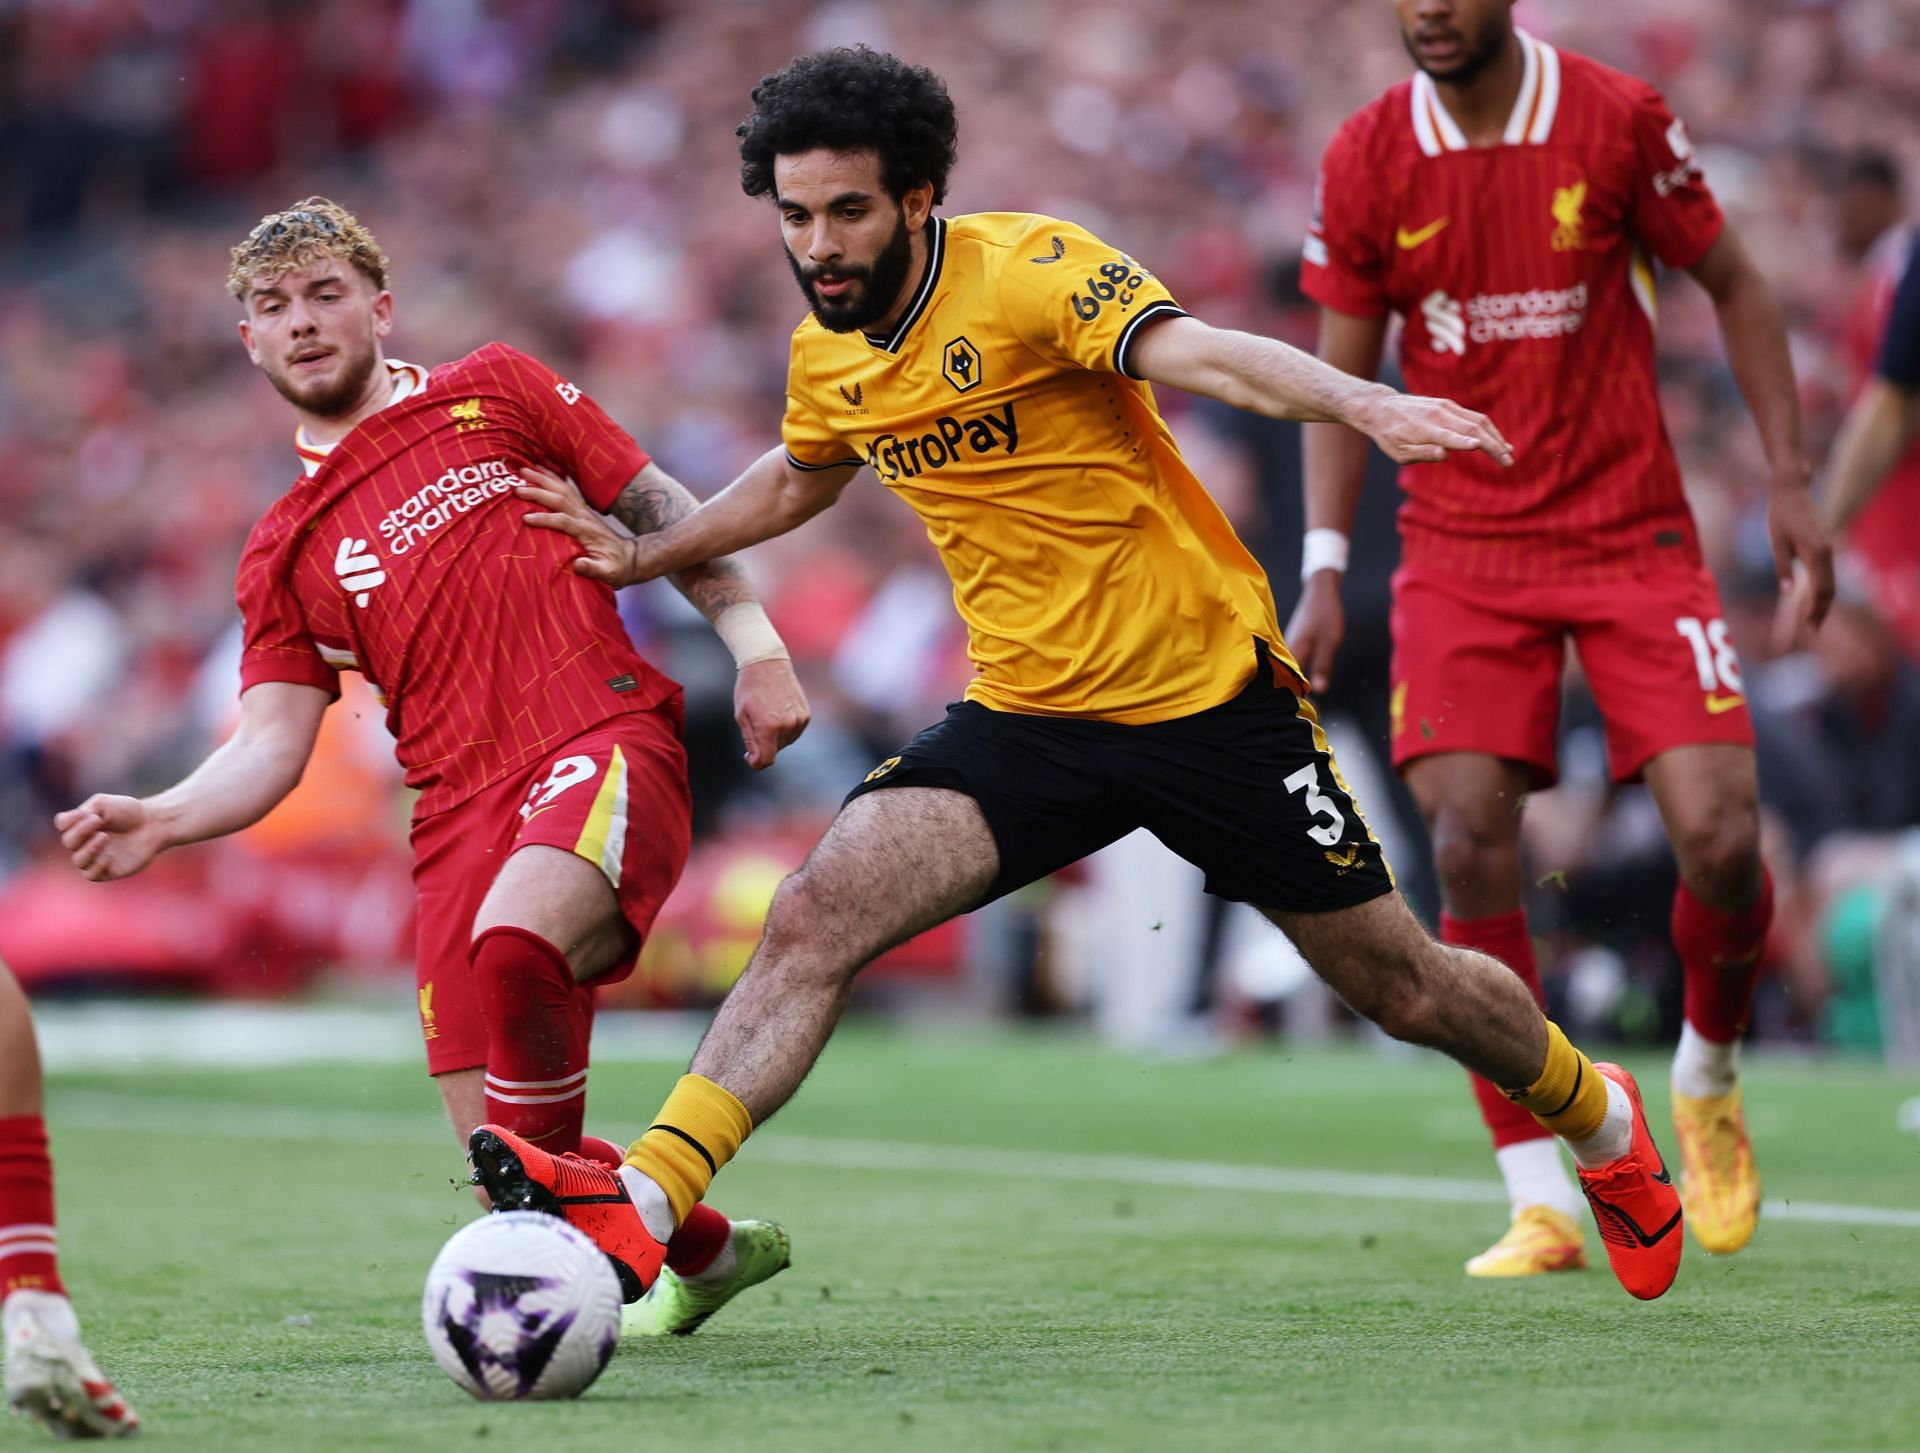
(521, 1305)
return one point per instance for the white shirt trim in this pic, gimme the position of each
(1530, 121)
(408, 380)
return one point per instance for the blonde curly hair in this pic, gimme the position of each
(295, 239)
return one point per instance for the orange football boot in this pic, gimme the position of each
(1635, 1205)
(518, 1175)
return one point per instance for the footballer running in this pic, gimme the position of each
(1509, 202)
(996, 371)
(553, 816)
(51, 1378)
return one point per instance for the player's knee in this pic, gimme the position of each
(1719, 853)
(1474, 848)
(1409, 1011)
(1401, 992)
(799, 921)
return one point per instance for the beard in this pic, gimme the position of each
(329, 399)
(877, 285)
(1479, 52)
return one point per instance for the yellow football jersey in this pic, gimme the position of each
(1096, 576)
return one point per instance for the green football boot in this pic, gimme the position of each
(675, 1306)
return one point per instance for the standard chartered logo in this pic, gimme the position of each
(359, 569)
(455, 493)
(1446, 329)
(1502, 317)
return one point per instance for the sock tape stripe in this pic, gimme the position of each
(1579, 1073)
(676, 1130)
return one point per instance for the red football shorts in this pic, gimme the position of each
(616, 796)
(1478, 668)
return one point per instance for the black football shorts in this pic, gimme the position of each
(1247, 791)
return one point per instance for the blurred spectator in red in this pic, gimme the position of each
(1884, 530)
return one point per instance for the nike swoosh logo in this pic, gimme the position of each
(1410, 240)
(535, 813)
(1646, 1239)
(1719, 705)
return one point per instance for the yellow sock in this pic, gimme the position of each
(1569, 1098)
(697, 1131)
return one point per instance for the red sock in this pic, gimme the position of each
(701, 1237)
(604, 1152)
(28, 1251)
(1720, 956)
(536, 1037)
(1504, 936)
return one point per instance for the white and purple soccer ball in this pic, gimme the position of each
(521, 1305)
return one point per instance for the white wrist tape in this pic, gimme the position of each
(1322, 550)
(749, 634)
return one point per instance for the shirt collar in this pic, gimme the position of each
(408, 380)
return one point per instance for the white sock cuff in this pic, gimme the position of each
(1614, 1138)
(1537, 1176)
(1704, 1067)
(656, 1211)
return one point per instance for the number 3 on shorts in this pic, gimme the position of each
(1307, 780)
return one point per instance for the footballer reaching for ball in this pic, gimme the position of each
(1509, 203)
(50, 1376)
(553, 816)
(996, 371)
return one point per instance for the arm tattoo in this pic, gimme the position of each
(653, 500)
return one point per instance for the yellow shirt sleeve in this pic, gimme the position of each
(809, 439)
(1077, 301)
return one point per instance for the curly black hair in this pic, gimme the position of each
(852, 98)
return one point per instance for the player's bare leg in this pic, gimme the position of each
(1469, 1006)
(1472, 805)
(464, 1092)
(893, 864)
(1709, 799)
(1379, 959)
(50, 1377)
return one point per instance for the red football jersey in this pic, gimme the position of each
(402, 555)
(1523, 273)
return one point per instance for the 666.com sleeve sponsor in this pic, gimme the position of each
(1502, 317)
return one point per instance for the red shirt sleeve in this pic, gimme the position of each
(585, 443)
(1674, 213)
(1341, 265)
(277, 645)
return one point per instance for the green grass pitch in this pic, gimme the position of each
(997, 1247)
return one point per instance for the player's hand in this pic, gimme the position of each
(1802, 558)
(1414, 430)
(1318, 625)
(606, 554)
(771, 709)
(109, 837)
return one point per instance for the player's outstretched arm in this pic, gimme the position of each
(111, 837)
(1756, 341)
(769, 705)
(1265, 376)
(769, 498)
(1336, 468)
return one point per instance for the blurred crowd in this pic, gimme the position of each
(561, 174)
